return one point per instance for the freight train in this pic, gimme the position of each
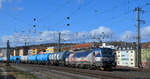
(97, 58)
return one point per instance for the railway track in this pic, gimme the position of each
(92, 73)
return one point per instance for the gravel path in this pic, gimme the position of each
(5, 75)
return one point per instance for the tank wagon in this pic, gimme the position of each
(24, 59)
(58, 58)
(32, 59)
(15, 59)
(43, 58)
(1, 59)
(11, 59)
(4, 59)
(98, 58)
(39, 59)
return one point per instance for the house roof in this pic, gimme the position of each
(82, 45)
(146, 45)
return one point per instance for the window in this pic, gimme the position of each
(93, 53)
(122, 55)
(131, 59)
(127, 51)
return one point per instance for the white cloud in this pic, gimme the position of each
(10, 1)
(127, 36)
(102, 33)
(68, 36)
(17, 8)
(52, 36)
(1, 3)
(14, 0)
(145, 33)
(15, 38)
(100, 30)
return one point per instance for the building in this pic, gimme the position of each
(51, 49)
(66, 48)
(126, 57)
(145, 55)
(19, 51)
(3, 52)
(82, 46)
(34, 51)
(30, 52)
(107, 46)
(47, 48)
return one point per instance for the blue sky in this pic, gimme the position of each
(85, 16)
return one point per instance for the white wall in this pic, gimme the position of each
(125, 58)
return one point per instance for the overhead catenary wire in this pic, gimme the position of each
(112, 18)
(56, 10)
(117, 17)
(16, 20)
(59, 8)
(22, 27)
(73, 12)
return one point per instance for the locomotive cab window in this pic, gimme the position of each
(106, 52)
(93, 53)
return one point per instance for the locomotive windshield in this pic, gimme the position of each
(106, 52)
